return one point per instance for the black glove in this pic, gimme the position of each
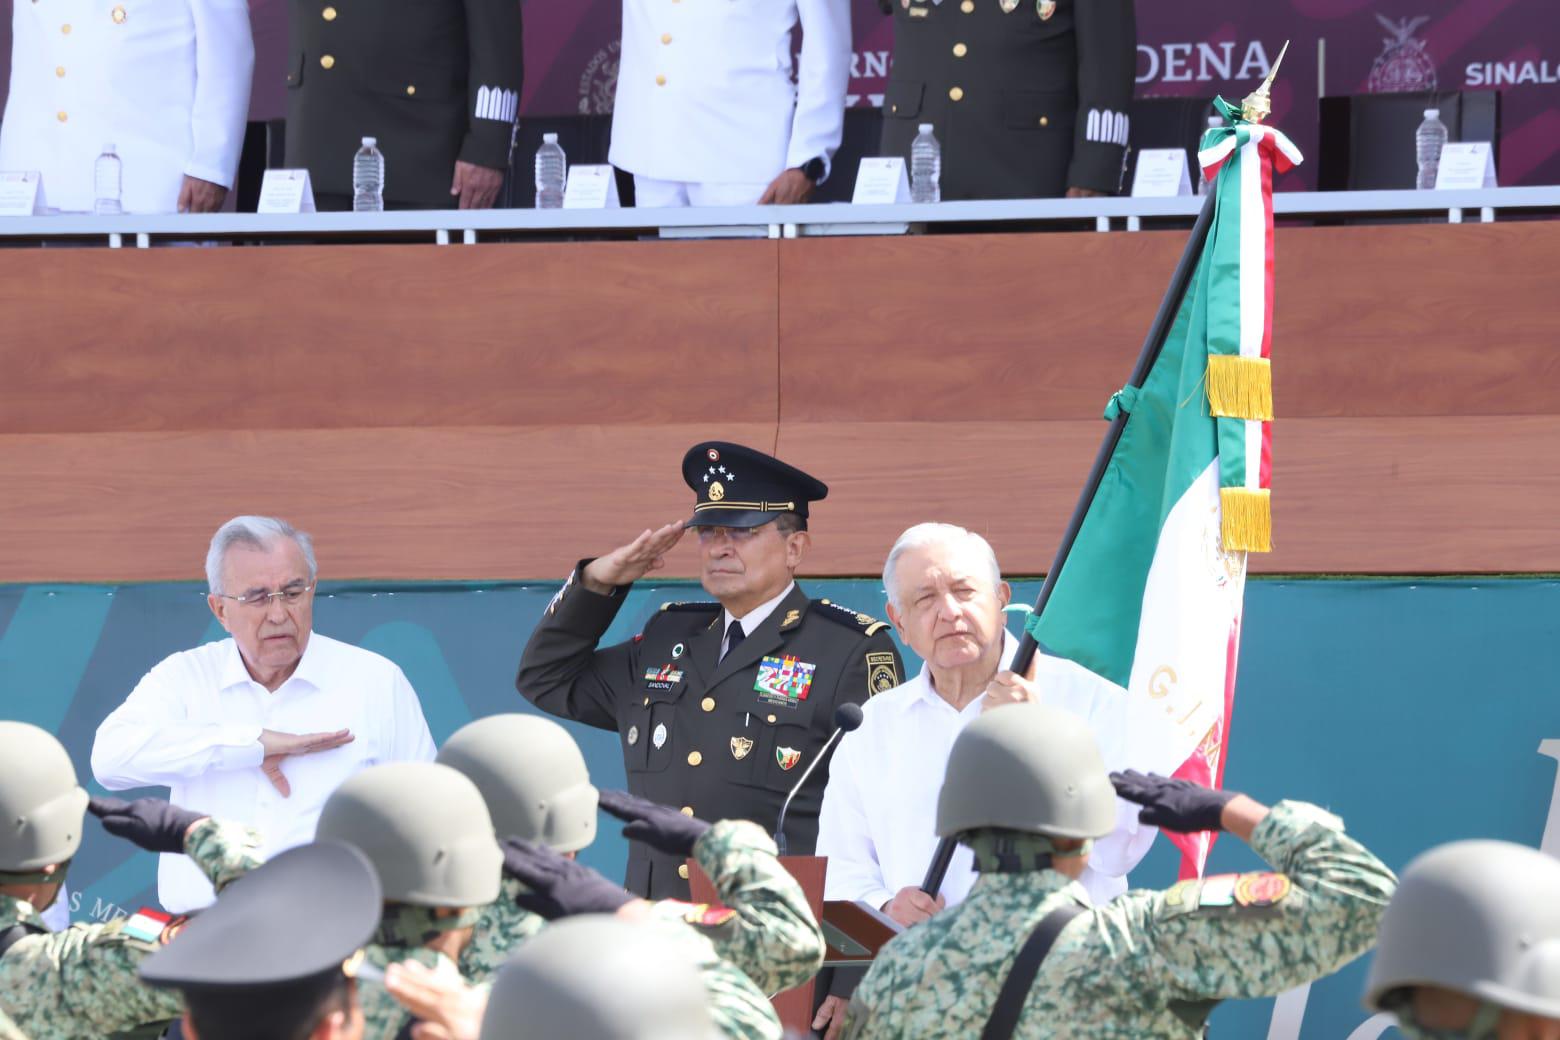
(658, 826)
(559, 886)
(1173, 805)
(153, 824)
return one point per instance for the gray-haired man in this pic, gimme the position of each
(261, 727)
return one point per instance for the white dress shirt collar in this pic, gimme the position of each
(755, 617)
(236, 673)
(927, 691)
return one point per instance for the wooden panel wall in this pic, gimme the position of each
(498, 411)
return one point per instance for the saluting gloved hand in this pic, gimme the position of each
(658, 826)
(151, 823)
(1173, 805)
(559, 886)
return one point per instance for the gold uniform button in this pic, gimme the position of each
(63, 117)
(1045, 121)
(893, 108)
(694, 758)
(687, 810)
(666, 37)
(65, 28)
(410, 90)
(960, 50)
(682, 871)
(327, 61)
(772, 720)
(708, 704)
(118, 15)
(968, 7)
(59, 70)
(956, 94)
(329, 14)
(647, 700)
(660, 81)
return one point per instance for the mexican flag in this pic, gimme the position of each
(1148, 599)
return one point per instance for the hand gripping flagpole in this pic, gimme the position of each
(1158, 331)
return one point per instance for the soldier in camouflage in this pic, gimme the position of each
(82, 981)
(8, 1030)
(427, 832)
(1470, 945)
(538, 791)
(1027, 791)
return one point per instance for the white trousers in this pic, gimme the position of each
(651, 193)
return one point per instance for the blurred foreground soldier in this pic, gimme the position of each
(275, 958)
(438, 84)
(1470, 945)
(595, 977)
(709, 111)
(8, 1030)
(82, 981)
(1028, 98)
(720, 707)
(1027, 791)
(534, 779)
(427, 832)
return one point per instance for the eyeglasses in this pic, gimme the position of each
(291, 596)
(734, 534)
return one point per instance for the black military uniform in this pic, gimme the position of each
(433, 80)
(722, 737)
(1027, 97)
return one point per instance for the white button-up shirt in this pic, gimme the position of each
(878, 822)
(193, 725)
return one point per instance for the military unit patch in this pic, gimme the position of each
(1243, 890)
(740, 746)
(882, 674)
(700, 915)
(149, 926)
(787, 757)
(1265, 889)
(658, 738)
(784, 680)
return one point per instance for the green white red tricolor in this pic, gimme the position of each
(1148, 602)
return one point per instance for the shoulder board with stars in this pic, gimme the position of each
(866, 624)
(691, 605)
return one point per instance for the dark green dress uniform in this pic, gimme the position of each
(1027, 97)
(433, 80)
(722, 738)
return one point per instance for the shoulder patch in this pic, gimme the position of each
(691, 605)
(1246, 891)
(882, 673)
(866, 624)
(700, 915)
(1262, 889)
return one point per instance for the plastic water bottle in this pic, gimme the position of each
(1429, 138)
(368, 178)
(925, 167)
(552, 169)
(106, 182)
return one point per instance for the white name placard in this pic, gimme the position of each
(1466, 164)
(1161, 174)
(286, 191)
(591, 187)
(21, 193)
(881, 181)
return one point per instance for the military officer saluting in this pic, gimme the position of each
(435, 82)
(719, 706)
(1028, 98)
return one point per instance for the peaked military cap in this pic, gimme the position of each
(290, 925)
(739, 487)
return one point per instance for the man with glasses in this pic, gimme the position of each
(261, 727)
(720, 707)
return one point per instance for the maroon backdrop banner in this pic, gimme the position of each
(1196, 47)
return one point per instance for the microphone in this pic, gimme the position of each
(847, 717)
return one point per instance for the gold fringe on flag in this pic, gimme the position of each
(1240, 387)
(1246, 519)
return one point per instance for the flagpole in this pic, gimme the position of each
(1158, 332)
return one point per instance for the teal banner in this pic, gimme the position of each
(1419, 711)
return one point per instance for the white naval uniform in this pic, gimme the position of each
(705, 90)
(165, 81)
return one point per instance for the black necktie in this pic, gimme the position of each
(734, 635)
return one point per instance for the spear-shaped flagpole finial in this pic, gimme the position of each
(1258, 105)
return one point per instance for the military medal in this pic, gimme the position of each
(1257, 890)
(740, 746)
(1009, 6)
(677, 651)
(1045, 9)
(658, 738)
(787, 757)
(633, 735)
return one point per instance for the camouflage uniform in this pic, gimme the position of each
(1149, 964)
(8, 1031)
(765, 941)
(383, 1017)
(82, 981)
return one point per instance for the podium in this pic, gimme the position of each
(853, 932)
